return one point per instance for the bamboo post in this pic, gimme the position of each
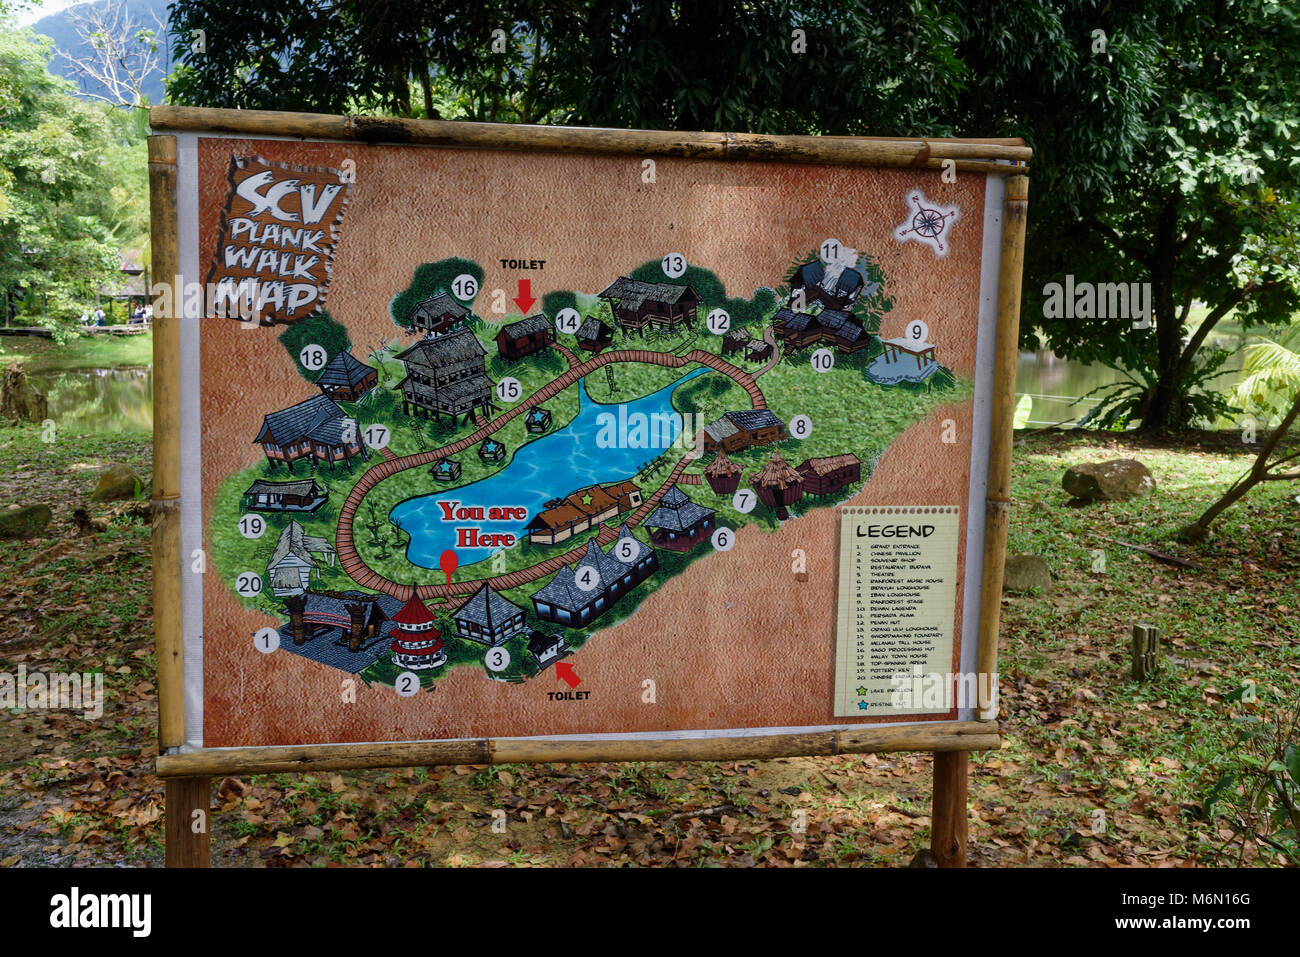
(998, 501)
(1146, 651)
(948, 808)
(187, 842)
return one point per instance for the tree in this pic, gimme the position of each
(1200, 203)
(430, 279)
(123, 52)
(59, 231)
(769, 66)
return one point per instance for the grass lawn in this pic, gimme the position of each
(83, 352)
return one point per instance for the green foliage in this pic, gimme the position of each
(320, 329)
(1271, 373)
(71, 187)
(429, 279)
(1257, 788)
(1124, 403)
(558, 299)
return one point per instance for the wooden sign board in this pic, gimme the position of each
(484, 443)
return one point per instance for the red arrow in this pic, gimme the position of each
(564, 672)
(525, 298)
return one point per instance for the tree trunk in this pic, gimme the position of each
(1259, 472)
(19, 399)
(1159, 406)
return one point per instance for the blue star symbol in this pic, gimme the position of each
(862, 706)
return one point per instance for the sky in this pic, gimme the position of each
(42, 8)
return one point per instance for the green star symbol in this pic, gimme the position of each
(586, 499)
(862, 692)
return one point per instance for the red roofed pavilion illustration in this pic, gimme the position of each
(417, 641)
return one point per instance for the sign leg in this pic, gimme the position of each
(948, 809)
(188, 806)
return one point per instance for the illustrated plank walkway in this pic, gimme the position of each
(367, 577)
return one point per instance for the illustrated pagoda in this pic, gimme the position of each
(417, 642)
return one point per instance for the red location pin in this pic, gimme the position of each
(448, 563)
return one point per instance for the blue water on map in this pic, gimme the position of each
(546, 468)
(902, 369)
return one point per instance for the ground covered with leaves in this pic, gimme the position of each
(1095, 770)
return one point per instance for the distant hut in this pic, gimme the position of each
(304, 495)
(537, 419)
(756, 350)
(722, 474)
(491, 451)
(778, 485)
(827, 476)
(594, 336)
(447, 470)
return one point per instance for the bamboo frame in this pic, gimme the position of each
(986, 156)
(166, 542)
(966, 154)
(936, 736)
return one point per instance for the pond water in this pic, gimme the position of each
(98, 400)
(547, 468)
(1058, 386)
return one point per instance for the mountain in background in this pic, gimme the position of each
(59, 27)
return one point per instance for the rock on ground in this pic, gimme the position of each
(1111, 481)
(1025, 573)
(26, 522)
(115, 482)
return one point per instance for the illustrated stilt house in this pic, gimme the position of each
(525, 337)
(832, 327)
(346, 378)
(417, 642)
(488, 618)
(736, 340)
(438, 315)
(679, 524)
(446, 376)
(637, 305)
(304, 495)
(313, 429)
(743, 429)
(830, 475)
(594, 336)
(297, 555)
(580, 594)
(778, 485)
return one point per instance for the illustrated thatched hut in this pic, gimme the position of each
(722, 474)
(778, 485)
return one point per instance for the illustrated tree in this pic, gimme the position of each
(429, 279)
(320, 329)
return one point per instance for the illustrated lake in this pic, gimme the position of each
(546, 468)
